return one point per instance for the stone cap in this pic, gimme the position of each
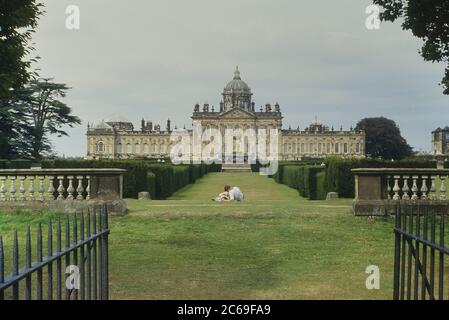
(77, 171)
(392, 171)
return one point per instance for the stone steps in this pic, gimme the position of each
(236, 168)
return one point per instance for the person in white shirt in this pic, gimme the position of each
(230, 194)
(235, 194)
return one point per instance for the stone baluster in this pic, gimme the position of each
(424, 188)
(415, 188)
(3, 189)
(70, 189)
(51, 188)
(12, 189)
(41, 188)
(22, 188)
(396, 188)
(31, 190)
(406, 189)
(80, 189)
(443, 188)
(88, 188)
(61, 188)
(388, 188)
(433, 195)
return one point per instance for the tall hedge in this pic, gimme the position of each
(15, 164)
(302, 178)
(134, 180)
(339, 177)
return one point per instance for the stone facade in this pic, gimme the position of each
(440, 141)
(117, 139)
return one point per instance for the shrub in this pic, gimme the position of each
(310, 181)
(321, 191)
(151, 184)
(15, 164)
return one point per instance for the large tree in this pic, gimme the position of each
(383, 138)
(427, 20)
(18, 19)
(44, 115)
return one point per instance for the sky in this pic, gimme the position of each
(157, 58)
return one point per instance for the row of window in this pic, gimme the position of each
(320, 148)
(295, 148)
(128, 148)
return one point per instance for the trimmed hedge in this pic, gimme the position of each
(302, 178)
(339, 177)
(160, 179)
(321, 190)
(151, 184)
(15, 164)
(134, 180)
(314, 181)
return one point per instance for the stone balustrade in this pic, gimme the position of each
(377, 190)
(22, 186)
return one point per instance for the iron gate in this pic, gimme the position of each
(85, 248)
(420, 249)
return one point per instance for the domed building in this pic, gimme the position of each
(117, 138)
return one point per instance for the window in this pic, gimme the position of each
(357, 147)
(162, 148)
(137, 148)
(153, 148)
(294, 148)
(302, 148)
(328, 148)
(129, 148)
(345, 148)
(145, 148)
(337, 148)
(119, 148)
(285, 148)
(100, 147)
(319, 147)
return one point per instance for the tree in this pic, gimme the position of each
(383, 138)
(44, 115)
(429, 21)
(18, 21)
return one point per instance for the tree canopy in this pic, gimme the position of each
(42, 114)
(18, 21)
(427, 20)
(383, 138)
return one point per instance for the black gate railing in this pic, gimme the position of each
(75, 269)
(419, 264)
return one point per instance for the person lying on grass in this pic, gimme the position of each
(230, 194)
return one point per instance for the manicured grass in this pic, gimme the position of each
(274, 245)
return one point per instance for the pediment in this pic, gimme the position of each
(237, 113)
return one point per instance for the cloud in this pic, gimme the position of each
(156, 59)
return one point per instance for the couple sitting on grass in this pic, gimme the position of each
(229, 194)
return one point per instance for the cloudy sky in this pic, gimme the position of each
(157, 58)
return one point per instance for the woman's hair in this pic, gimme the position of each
(227, 188)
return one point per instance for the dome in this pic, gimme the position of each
(237, 84)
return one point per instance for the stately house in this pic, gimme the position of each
(117, 139)
(440, 141)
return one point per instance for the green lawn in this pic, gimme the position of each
(274, 245)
